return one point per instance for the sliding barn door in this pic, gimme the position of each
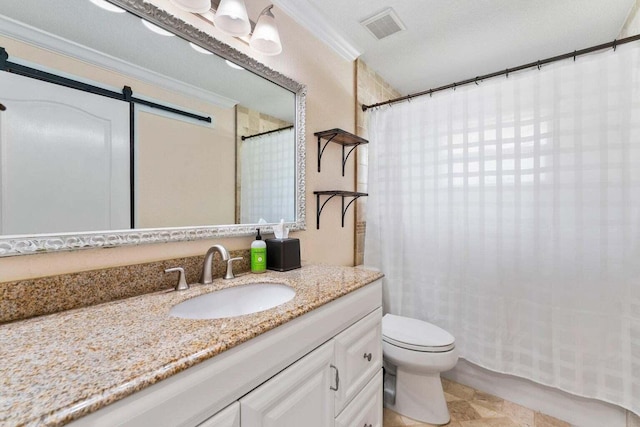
(64, 159)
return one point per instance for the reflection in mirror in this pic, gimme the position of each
(265, 177)
(148, 169)
(65, 159)
(184, 171)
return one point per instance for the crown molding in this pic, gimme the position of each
(305, 14)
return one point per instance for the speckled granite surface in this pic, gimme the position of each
(58, 367)
(22, 299)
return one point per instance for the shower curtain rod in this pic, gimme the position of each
(506, 72)
(265, 133)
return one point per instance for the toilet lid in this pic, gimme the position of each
(414, 334)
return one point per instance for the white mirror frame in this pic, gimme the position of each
(30, 244)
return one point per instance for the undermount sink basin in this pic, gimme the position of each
(235, 301)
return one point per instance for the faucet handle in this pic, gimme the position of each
(229, 274)
(182, 282)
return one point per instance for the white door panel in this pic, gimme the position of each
(64, 158)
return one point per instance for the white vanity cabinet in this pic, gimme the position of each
(228, 417)
(358, 356)
(286, 377)
(344, 372)
(366, 407)
(299, 396)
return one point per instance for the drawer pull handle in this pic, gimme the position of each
(368, 357)
(368, 425)
(337, 379)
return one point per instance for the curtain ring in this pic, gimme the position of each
(454, 87)
(430, 93)
(476, 81)
(615, 44)
(538, 64)
(507, 73)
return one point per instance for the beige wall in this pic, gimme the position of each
(183, 173)
(330, 103)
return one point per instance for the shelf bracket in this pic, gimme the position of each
(344, 159)
(320, 208)
(345, 208)
(322, 151)
(342, 137)
(343, 194)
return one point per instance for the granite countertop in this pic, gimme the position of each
(59, 367)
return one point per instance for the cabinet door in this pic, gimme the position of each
(358, 356)
(366, 408)
(228, 417)
(300, 395)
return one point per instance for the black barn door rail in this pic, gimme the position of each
(11, 67)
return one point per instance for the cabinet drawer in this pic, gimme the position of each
(366, 407)
(228, 417)
(358, 356)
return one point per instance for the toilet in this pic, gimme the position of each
(417, 351)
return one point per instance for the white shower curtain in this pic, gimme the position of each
(508, 213)
(267, 183)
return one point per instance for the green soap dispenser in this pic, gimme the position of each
(258, 254)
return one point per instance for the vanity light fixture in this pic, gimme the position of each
(103, 4)
(156, 29)
(265, 38)
(231, 18)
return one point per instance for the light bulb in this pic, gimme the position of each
(199, 49)
(156, 29)
(233, 65)
(103, 4)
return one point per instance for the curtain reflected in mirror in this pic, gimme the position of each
(265, 176)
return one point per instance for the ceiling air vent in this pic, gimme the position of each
(384, 24)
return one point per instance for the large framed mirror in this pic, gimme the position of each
(230, 158)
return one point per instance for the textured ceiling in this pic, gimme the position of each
(452, 40)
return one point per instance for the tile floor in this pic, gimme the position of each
(473, 408)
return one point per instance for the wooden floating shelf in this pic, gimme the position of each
(338, 136)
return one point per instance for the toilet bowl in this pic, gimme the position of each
(419, 351)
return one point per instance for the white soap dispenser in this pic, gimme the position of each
(258, 254)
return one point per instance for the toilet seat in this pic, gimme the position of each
(416, 335)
